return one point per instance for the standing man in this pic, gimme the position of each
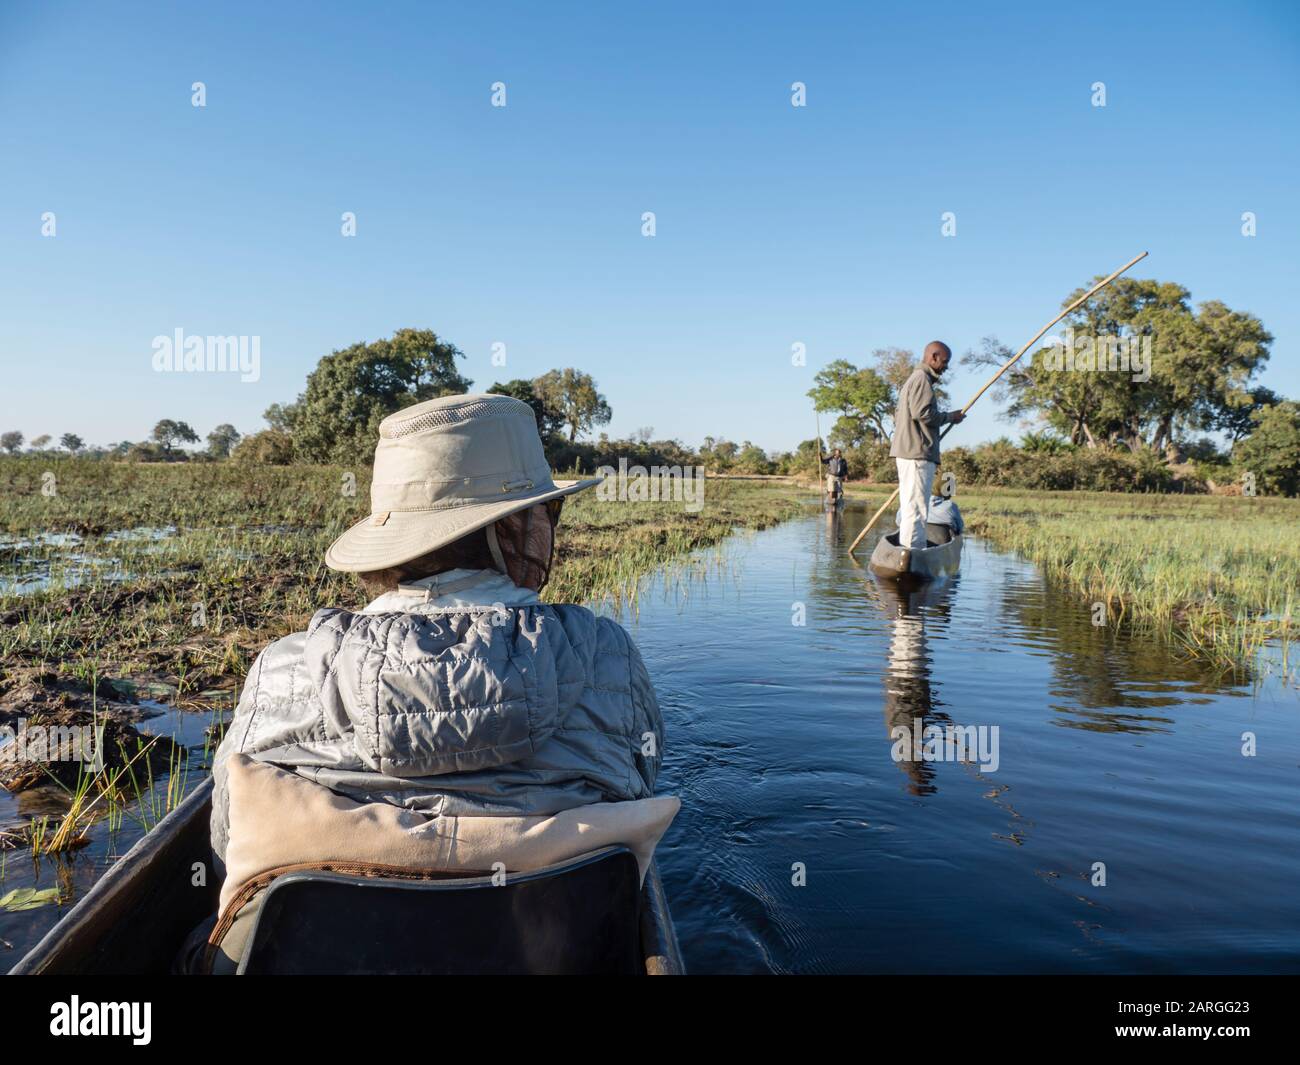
(836, 470)
(916, 442)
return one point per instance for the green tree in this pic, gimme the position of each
(221, 440)
(351, 391)
(1272, 451)
(752, 459)
(573, 394)
(863, 397)
(168, 433)
(12, 441)
(1201, 364)
(717, 455)
(1237, 419)
(549, 420)
(71, 442)
(280, 416)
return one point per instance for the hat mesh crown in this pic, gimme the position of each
(394, 428)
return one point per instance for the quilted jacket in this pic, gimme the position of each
(493, 710)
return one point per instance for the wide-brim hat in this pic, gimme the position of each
(444, 469)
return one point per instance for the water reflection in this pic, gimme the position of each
(909, 698)
(1111, 749)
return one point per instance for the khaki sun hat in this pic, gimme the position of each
(443, 469)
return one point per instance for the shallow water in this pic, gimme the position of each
(57, 561)
(74, 872)
(1110, 750)
(778, 742)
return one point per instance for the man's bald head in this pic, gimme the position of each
(937, 355)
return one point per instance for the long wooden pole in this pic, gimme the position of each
(820, 479)
(1006, 366)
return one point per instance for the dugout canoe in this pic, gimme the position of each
(137, 917)
(939, 560)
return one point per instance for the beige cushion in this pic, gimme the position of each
(278, 818)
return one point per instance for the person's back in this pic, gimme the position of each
(456, 691)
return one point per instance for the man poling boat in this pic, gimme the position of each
(900, 558)
(921, 548)
(915, 448)
(836, 470)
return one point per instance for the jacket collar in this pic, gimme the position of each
(455, 588)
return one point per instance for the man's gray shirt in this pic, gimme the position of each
(918, 418)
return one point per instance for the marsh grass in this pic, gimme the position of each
(217, 560)
(91, 789)
(1216, 576)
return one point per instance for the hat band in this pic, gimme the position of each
(464, 492)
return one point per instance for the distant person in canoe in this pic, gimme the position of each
(836, 470)
(915, 447)
(457, 721)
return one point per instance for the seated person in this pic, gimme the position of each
(456, 693)
(943, 511)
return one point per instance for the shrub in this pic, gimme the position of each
(1272, 451)
(270, 447)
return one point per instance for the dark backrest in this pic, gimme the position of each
(579, 916)
(937, 534)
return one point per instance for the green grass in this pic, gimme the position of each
(1219, 576)
(242, 563)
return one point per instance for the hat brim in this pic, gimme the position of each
(408, 534)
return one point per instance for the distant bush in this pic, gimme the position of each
(1045, 443)
(583, 457)
(147, 452)
(270, 447)
(1060, 469)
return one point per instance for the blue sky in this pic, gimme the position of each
(522, 225)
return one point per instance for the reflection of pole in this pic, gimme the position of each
(1005, 367)
(818, 455)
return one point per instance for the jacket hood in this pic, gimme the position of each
(444, 691)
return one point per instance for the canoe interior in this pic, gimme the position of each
(135, 918)
(941, 558)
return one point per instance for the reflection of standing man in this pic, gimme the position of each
(836, 470)
(916, 442)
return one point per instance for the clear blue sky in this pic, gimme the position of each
(522, 225)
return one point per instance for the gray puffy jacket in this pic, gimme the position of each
(516, 710)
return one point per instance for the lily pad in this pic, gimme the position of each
(28, 899)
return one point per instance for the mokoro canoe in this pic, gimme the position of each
(942, 558)
(135, 919)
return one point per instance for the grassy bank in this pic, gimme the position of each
(168, 579)
(1217, 575)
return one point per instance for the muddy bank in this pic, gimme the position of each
(57, 734)
(58, 730)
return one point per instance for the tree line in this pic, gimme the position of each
(1198, 377)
